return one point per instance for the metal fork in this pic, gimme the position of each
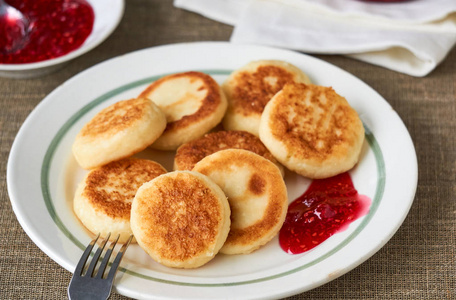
(93, 284)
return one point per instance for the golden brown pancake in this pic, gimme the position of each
(118, 131)
(192, 152)
(251, 87)
(103, 199)
(312, 130)
(193, 103)
(181, 219)
(257, 195)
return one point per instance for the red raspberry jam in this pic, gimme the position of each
(57, 28)
(327, 207)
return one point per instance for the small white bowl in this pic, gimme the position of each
(108, 14)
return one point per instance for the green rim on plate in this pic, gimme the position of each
(68, 124)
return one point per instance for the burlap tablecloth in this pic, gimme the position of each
(417, 263)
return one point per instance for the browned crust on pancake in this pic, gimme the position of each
(190, 153)
(109, 120)
(181, 215)
(251, 92)
(245, 236)
(265, 179)
(331, 134)
(208, 105)
(112, 187)
(257, 185)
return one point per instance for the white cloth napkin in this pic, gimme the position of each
(411, 37)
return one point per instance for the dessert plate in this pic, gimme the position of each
(42, 177)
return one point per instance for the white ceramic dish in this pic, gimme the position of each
(42, 176)
(108, 14)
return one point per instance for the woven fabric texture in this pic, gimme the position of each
(419, 262)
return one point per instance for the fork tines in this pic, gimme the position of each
(93, 278)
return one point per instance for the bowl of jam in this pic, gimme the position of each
(58, 31)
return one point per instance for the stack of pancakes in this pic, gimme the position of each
(226, 193)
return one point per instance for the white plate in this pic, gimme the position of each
(108, 14)
(42, 176)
